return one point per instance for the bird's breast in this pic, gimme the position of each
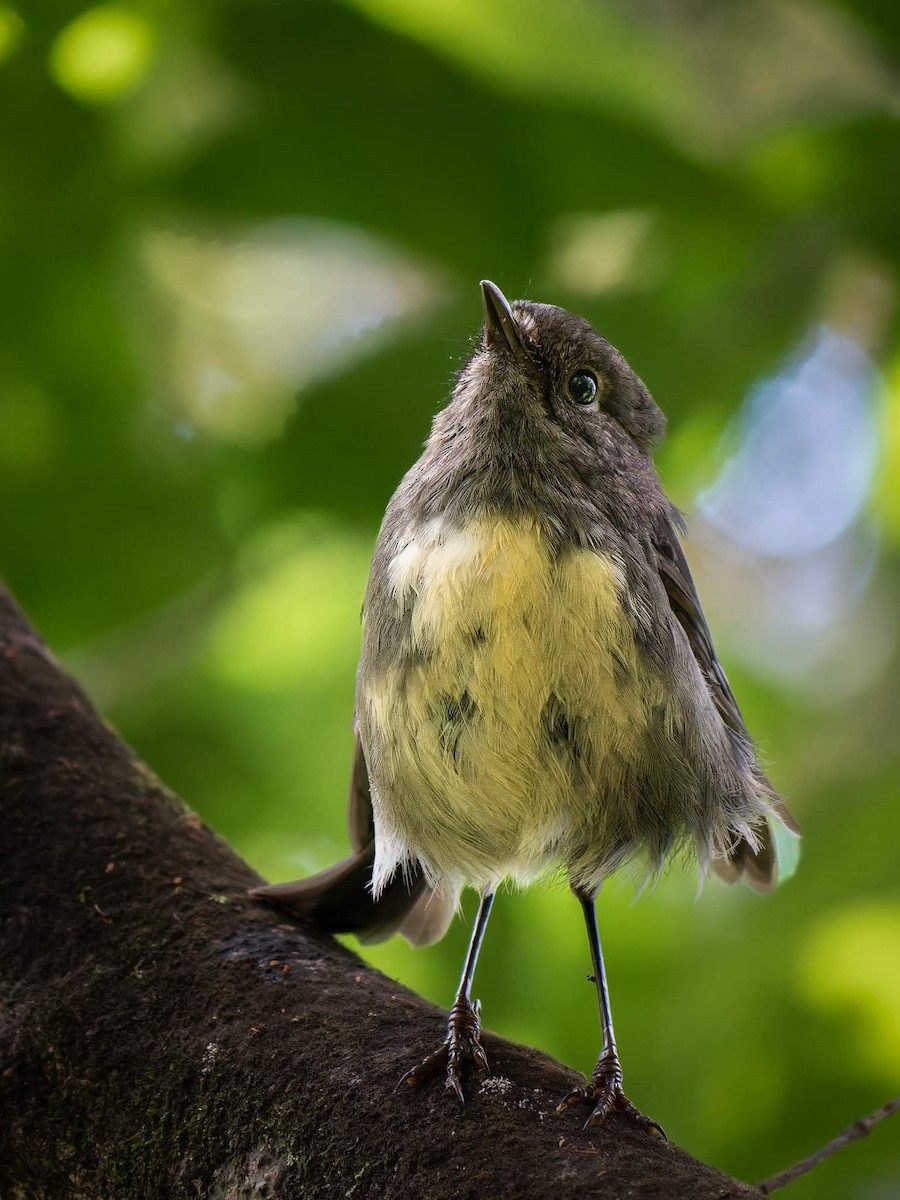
(516, 690)
(492, 600)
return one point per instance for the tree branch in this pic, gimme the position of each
(163, 1036)
(852, 1133)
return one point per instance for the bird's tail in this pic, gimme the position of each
(340, 900)
(758, 867)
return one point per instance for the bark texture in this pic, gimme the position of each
(163, 1036)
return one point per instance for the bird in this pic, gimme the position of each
(538, 690)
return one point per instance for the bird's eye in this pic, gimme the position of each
(583, 388)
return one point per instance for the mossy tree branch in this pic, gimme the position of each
(162, 1036)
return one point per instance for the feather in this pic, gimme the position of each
(757, 866)
(340, 898)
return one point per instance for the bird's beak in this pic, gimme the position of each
(500, 326)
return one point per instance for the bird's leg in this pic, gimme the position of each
(464, 1026)
(604, 1091)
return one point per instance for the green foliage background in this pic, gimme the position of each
(240, 246)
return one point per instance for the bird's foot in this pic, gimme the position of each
(462, 1042)
(604, 1093)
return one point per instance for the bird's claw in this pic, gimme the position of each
(462, 1042)
(604, 1093)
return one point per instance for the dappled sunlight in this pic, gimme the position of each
(789, 516)
(706, 77)
(293, 619)
(103, 54)
(592, 254)
(248, 319)
(805, 453)
(539, 57)
(12, 29)
(850, 969)
(283, 646)
(887, 491)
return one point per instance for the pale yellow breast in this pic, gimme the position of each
(468, 779)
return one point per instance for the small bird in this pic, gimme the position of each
(538, 688)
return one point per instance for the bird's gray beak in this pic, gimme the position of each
(500, 326)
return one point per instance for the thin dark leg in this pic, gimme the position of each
(589, 908)
(604, 1091)
(464, 991)
(464, 1026)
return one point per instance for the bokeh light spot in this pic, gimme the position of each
(807, 454)
(887, 492)
(12, 27)
(851, 963)
(297, 615)
(248, 318)
(593, 254)
(103, 54)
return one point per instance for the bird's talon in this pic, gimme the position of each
(605, 1093)
(576, 1096)
(462, 1042)
(453, 1084)
(481, 1058)
(424, 1070)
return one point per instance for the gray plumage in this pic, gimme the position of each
(538, 686)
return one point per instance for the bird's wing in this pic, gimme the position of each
(360, 821)
(410, 906)
(685, 603)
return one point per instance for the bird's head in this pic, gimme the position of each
(539, 364)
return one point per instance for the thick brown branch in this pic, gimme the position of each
(852, 1133)
(161, 1035)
